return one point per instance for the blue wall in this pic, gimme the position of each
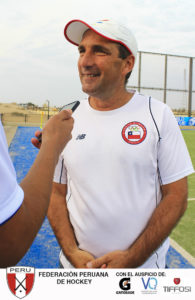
(186, 121)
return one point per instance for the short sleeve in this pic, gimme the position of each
(60, 174)
(173, 156)
(11, 194)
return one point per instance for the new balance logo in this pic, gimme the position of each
(81, 136)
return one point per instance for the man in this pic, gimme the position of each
(120, 185)
(23, 208)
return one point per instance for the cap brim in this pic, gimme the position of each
(74, 31)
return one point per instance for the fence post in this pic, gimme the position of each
(25, 118)
(165, 80)
(139, 72)
(190, 87)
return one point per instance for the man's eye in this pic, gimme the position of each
(101, 52)
(81, 51)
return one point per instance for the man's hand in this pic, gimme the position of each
(80, 258)
(116, 259)
(56, 132)
(35, 140)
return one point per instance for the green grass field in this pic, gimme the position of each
(189, 136)
(184, 232)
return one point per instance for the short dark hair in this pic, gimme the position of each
(123, 53)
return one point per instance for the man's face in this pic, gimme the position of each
(101, 70)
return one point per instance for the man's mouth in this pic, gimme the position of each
(90, 75)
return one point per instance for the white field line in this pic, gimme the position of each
(191, 199)
(183, 252)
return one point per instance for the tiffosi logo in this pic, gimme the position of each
(177, 288)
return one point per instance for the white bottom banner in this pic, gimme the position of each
(33, 284)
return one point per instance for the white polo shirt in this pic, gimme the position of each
(11, 195)
(114, 166)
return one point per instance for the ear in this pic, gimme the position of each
(129, 62)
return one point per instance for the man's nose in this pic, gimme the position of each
(87, 59)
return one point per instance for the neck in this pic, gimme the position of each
(110, 103)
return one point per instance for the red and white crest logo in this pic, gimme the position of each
(176, 280)
(20, 280)
(134, 133)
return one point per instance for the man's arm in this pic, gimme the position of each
(59, 219)
(17, 234)
(161, 223)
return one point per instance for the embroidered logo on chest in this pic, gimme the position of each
(81, 136)
(134, 133)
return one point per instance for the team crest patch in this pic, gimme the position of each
(20, 280)
(177, 280)
(134, 133)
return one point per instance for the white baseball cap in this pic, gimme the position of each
(108, 29)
